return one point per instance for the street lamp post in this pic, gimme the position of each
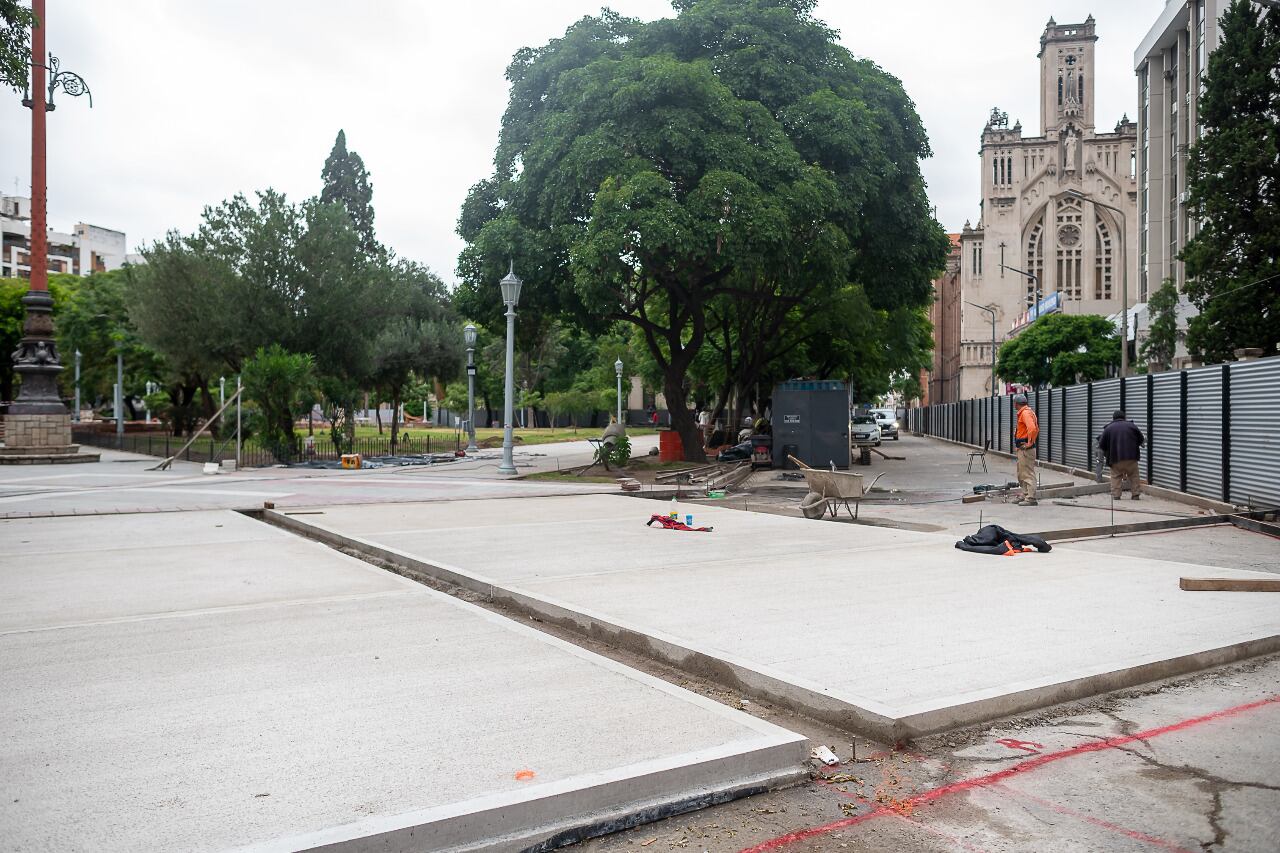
(1124, 275)
(510, 285)
(119, 394)
(992, 312)
(617, 368)
(37, 419)
(469, 336)
(75, 416)
(1035, 287)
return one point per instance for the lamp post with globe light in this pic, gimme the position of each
(617, 367)
(510, 285)
(469, 336)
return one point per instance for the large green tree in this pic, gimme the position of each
(1060, 349)
(736, 151)
(346, 183)
(1233, 261)
(1162, 336)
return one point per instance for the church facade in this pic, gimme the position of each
(1058, 217)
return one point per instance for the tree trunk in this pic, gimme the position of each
(682, 420)
(377, 416)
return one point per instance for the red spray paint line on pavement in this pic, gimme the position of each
(1001, 775)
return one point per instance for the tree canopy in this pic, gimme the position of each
(346, 183)
(1233, 261)
(732, 156)
(1060, 349)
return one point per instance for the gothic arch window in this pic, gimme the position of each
(1104, 262)
(1035, 258)
(1080, 85)
(1070, 218)
(1059, 90)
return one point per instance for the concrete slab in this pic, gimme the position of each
(893, 632)
(247, 688)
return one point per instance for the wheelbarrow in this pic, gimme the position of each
(830, 490)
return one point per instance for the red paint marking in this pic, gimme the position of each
(1000, 775)
(1029, 746)
(1105, 824)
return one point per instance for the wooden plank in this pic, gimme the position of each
(1270, 529)
(1230, 584)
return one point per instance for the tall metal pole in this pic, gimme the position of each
(39, 226)
(119, 392)
(239, 397)
(1124, 275)
(510, 285)
(992, 312)
(508, 465)
(617, 366)
(469, 337)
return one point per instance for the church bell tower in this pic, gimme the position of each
(1066, 77)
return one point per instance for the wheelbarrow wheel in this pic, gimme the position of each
(814, 505)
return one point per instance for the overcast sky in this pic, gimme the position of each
(195, 101)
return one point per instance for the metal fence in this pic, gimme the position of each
(1212, 431)
(210, 449)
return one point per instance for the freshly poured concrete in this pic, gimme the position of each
(201, 681)
(894, 632)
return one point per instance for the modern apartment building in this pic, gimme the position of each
(1170, 66)
(87, 249)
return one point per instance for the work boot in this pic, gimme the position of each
(1028, 502)
(1136, 497)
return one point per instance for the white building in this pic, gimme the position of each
(1031, 221)
(1170, 66)
(88, 248)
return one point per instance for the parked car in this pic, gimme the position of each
(863, 430)
(887, 420)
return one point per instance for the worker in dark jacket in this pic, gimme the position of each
(1121, 442)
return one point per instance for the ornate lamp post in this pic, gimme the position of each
(75, 416)
(38, 424)
(510, 296)
(617, 368)
(469, 336)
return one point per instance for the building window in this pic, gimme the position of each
(995, 172)
(1035, 257)
(1080, 84)
(977, 259)
(1102, 264)
(1059, 90)
(1070, 219)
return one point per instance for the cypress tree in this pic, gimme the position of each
(1233, 262)
(346, 182)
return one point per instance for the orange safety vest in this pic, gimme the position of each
(1028, 427)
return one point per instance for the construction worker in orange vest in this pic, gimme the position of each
(1025, 437)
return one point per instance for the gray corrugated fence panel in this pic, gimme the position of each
(1106, 399)
(1055, 430)
(1135, 409)
(1002, 423)
(1164, 436)
(1076, 403)
(1204, 431)
(1255, 449)
(1039, 401)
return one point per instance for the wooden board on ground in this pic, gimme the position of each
(1230, 584)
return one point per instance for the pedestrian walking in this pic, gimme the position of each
(1121, 443)
(1025, 437)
